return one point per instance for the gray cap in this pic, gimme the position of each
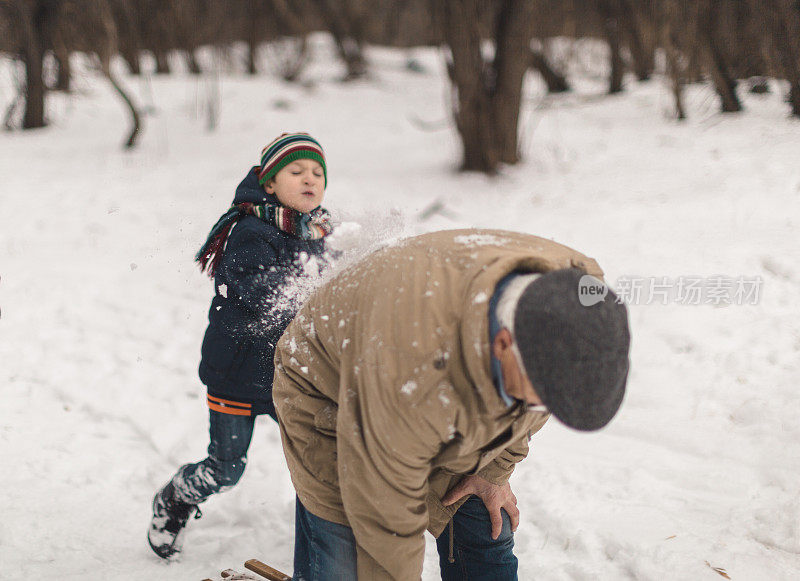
(575, 356)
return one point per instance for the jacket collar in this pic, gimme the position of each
(249, 190)
(494, 329)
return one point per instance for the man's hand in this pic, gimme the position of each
(494, 498)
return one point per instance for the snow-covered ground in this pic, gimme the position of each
(103, 312)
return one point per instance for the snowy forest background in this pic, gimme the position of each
(661, 138)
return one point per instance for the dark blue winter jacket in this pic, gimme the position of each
(261, 280)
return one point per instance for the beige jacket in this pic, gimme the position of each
(384, 392)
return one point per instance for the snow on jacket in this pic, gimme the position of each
(264, 275)
(384, 393)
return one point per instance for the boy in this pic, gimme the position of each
(262, 254)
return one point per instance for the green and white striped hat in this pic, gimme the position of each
(289, 147)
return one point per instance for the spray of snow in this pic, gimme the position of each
(481, 240)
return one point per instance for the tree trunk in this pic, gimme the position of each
(129, 36)
(31, 23)
(512, 45)
(61, 53)
(162, 63)
(747, 54)
(724, 84)
(105, 49)
(609, 11)
(673, 70)
(617, 64)
(471, 105)
(348, 45)
(487, 96)
(191, 62)
(289, 56)
(786, 53)
(252, 58)
(131, 58)
(794, 98)
(253, 39)
(669, 22)
(64, 77)
(136, 122)
(723, 80)
(35, 92)
(643, 57)
(352, 53)
(556, 82)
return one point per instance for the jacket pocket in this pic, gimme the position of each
(223, 355)
(320, 456)
(325, 420)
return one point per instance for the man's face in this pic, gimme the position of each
(515, 380)
(300, 185)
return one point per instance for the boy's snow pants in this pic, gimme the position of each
(226, 461)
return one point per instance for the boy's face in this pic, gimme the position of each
(299, 185)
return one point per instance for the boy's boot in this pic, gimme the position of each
(170, 516)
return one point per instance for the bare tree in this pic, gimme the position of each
(89, 26)
(555, 81)
(62, 53)
(289, 51)
(33, 20)
(288, 56)
(781, 21)
(129, 38)
(487, 91)
(403, 23)
(256, 20)
(194, 22)
(265, 21)
(637, 22)
(670, 17)
(713, 16)
(156, 20)
(345, 21)
(107, 47)
(610, 14)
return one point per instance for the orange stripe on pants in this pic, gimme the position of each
(233, 411)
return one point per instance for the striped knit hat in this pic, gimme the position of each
(287, 148)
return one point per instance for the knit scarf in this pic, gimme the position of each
(311, 226)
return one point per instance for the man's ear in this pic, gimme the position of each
(502, 341)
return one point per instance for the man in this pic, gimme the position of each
(408, 386)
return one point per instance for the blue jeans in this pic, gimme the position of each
(224, 466)
(326, 551)
(476, 555)
(323, 550)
